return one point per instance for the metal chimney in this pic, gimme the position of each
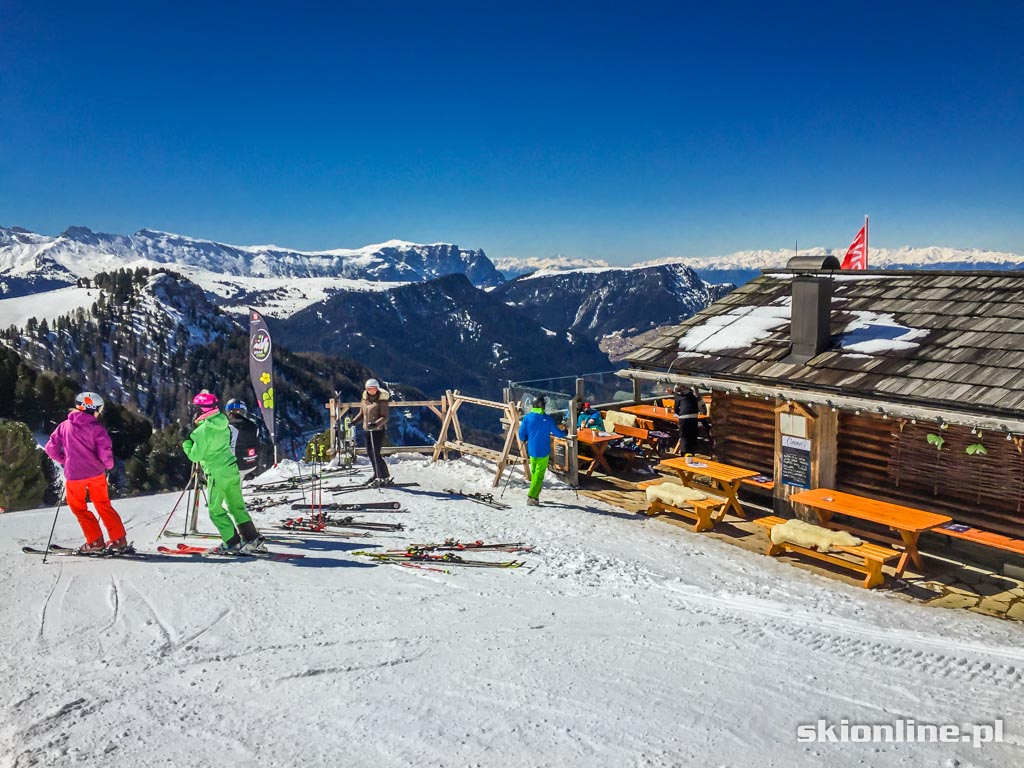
(811, 313)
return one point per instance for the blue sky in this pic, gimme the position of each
(598, 129)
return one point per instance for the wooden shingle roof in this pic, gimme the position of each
(922, 337)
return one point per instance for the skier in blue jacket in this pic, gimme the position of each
(536, 430)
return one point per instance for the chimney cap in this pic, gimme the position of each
(815, 263)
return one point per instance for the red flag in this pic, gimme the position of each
(857, 255)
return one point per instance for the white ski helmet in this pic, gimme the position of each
(89, 402)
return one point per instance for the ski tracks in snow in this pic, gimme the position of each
(919, 655)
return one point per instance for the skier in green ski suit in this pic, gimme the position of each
(210, 446)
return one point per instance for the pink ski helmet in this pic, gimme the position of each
(204, 403)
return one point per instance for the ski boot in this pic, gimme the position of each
(230, 547)
(93, 548)
(120, 547)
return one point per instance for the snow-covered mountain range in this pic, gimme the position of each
(741, 266)
(31, 262)
(512, 268)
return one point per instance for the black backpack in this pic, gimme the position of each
(245, 441)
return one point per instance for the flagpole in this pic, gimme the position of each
(865, 241)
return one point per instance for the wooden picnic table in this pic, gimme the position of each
(908, 522)
(725, 477)
(656, 412)
(598, 442)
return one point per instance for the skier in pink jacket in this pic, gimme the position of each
(81, 445)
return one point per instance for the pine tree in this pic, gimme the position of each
(22, 482)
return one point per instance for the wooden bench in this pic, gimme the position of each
(642, 436)
(767, 486)
(868, 558)
(706, 512)
(986, 538)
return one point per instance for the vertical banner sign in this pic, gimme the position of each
(261, 368)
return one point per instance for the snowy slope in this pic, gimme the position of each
(48, 305)
(624, 642)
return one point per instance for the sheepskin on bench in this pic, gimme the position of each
(611, 418)
(673, 494)
(811, 536)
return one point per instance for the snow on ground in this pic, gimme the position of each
(48, 305)
(623, 642)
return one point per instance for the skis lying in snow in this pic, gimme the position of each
(56, 549)
(261, 503)
(368, 506)
(315, 524)
(480, 498)
(293, 534)
(449, 558)
(459, 546)
(187, 550)
(367, 487)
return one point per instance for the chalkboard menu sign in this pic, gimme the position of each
(559, 461)
(796, 461)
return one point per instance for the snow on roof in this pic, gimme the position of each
(736, 329)
(876, 334)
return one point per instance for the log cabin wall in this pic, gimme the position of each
(893, 460)
(744, 431)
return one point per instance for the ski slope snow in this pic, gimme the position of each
(622, 642)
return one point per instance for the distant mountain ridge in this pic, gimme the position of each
(443, 334)
(747, 264)
(512, 268)
(611, 305)
(30, 262)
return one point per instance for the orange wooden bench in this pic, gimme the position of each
(706, 512)
(986, 538)
(867, 558)
(642, 436)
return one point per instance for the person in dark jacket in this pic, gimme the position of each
(245, 436)
(536, 430)
(373, 414)
(81, 445)
(687, 408)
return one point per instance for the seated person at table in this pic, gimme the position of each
(590, 418)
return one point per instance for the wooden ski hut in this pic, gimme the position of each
(905, 386)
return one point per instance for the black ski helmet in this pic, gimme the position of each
(540, 402)
(234, 404)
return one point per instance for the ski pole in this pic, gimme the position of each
(175, 507)
(49, 541)
(512, 471)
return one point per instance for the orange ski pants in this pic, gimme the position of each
(97, 489)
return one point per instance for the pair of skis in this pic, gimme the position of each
(447, 559)
(453, 545)
(369, 506)
(189, 550)
(163, 554)
(367, 486)
(487, 499)
(319, 522)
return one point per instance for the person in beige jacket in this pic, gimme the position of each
(374, 413)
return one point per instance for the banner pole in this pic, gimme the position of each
(865, 241)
